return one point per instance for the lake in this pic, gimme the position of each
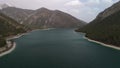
(59, 48)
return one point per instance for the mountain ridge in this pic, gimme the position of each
(38, 17)
(3, 6)
(51, 18)
(105, 30)
(16, 13)
(107, 12)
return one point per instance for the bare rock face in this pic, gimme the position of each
(42, 18)
(16, 13)
(45, 18)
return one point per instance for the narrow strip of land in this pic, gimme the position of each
(10, 45)
(8, 48)
(101, 43)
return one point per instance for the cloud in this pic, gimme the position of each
(74, 3)
(93, 2)
(108, 1)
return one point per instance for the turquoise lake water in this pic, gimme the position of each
(59, 48)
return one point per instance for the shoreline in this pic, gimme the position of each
(12, 45)
(101, 43)
(41, 29)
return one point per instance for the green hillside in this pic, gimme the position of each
(8, 27)
(107, 30)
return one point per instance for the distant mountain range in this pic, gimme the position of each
(43, 18)
(106, 27)
(16, 20)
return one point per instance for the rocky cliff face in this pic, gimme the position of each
(42, 18)
(45, 18)
(17, 14)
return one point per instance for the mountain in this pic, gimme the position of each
(45, 18)
(111, 10)
(3, 6)
(8, 27)
(17, 14)
(42, 18)
(107, 29)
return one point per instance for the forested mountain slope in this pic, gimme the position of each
(8, 27)
(107, 30)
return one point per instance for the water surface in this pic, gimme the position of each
(59, 48)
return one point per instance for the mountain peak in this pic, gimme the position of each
(3, 6)
(43, 18)
(43, 9)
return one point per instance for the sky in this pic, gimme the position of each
(85, 10)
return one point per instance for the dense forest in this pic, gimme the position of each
(106, 30)
(8, 27)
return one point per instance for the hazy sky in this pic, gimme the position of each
(85, 10)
